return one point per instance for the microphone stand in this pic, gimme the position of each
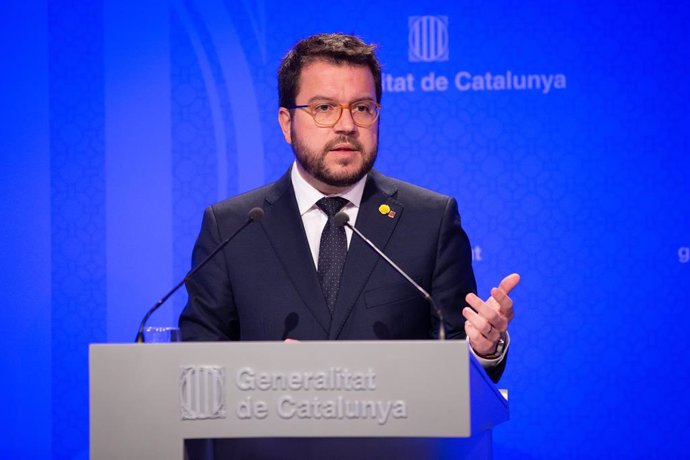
(341, 218)
(255, 215)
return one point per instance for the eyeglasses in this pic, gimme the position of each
(327, 114)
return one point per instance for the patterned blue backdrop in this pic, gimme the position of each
(562, 129)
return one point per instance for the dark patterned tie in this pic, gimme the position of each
(332, 251)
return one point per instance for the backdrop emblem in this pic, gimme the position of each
(428, 38)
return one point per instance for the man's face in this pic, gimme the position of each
(331, 159)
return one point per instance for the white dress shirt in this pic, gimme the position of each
(313, 218)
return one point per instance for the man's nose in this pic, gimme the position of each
(346, 124)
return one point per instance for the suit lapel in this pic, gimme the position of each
(361, 259)
(283, 225)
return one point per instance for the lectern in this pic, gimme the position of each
(346, 398)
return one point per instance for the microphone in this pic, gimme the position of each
(255, 215)
(291, 322)
(342, 219)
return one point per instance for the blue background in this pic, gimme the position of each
(122, 120)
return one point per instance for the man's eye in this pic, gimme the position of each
(319, 108)
(362, 108)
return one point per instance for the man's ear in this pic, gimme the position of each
(285, 121)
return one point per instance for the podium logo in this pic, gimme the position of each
(428, 38)
(202, 392)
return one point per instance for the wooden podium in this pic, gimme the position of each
(329, 399)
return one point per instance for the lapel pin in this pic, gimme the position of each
(385, 210)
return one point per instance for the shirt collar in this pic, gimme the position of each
(307, 196)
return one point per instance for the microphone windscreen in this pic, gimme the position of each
(341, 219)
(291, 321)
(256, 214)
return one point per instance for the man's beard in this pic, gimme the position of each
(315, 164)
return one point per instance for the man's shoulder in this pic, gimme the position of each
(253, 198)
(407, 192)
(250, 198)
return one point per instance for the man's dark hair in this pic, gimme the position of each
(334, 48)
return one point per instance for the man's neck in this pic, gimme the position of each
(322, 187)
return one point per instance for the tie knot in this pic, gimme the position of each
(331, 205)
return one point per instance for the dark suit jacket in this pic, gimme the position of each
(264, 286)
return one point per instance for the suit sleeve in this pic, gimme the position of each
(210, 313)
(453, 279)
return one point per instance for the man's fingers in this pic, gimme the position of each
(501, 297)
(480, 344)
(485, 321)
(509, 282)
(489, 311)
(481, 324)
(474, 301)
(505, 303)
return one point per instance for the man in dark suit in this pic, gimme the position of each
(296, 275)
